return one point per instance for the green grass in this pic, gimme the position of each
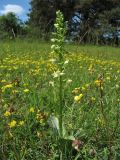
(104, 52)
(29, 94)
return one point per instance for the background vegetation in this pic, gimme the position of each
(93, 21)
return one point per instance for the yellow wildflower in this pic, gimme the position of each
(90, 67)
(32, 110)
(25, 84)
(98, 83)
(108, 78)
(26, 90)
(6, 86)
(3, 81)
(21, 123)
(7, 113)
(12, 124)
(83, 88)
(78, 98)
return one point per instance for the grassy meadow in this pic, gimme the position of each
(29, 98)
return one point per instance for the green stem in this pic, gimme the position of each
(61, 107)
(61, 97)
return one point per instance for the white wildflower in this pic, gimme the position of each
(53, 46)
(69, 81)
(52, 60)
(57, 74)
(66, 62)
(51, 83)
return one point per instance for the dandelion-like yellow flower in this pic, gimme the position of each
(98, 83)
(12, 124)
(7, 113)
(32, 110)
(26, 90)
(6, 87)
(78, 98)
(3, 81)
